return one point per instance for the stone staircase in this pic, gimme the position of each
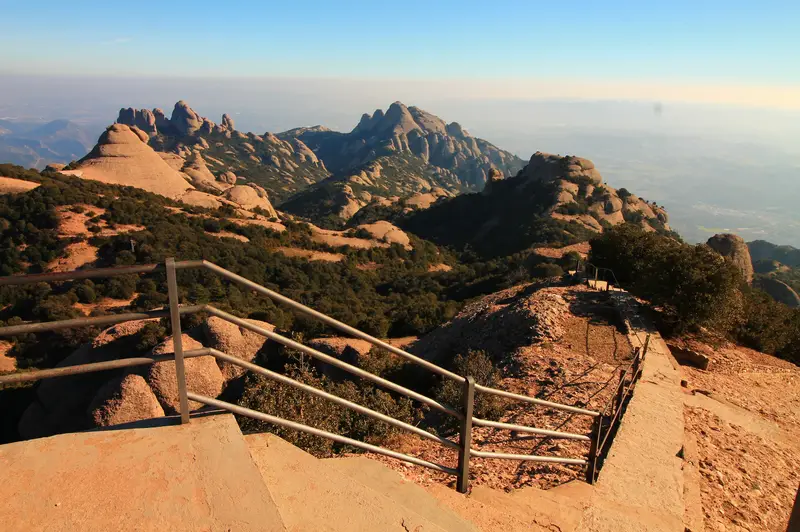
(205, 475)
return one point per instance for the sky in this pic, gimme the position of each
(695, 104)
(725, 51)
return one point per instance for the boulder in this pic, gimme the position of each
(34, 423)
(383, 231)
(249, 197)
(227, 123)
(229, 178)
(234, 341)
(203, 376)
(350, 350)
(54, 167)
(124, 400)
(734, 248)
(200, 175)
(184, 120)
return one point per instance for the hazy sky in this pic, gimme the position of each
(709, 50)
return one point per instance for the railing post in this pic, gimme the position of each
(591, 471)
(177, 341)
(468, 402)
(646, 345)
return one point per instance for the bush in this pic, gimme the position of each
(693, 285)
(478, 365)
(85, 292)
(545, 270)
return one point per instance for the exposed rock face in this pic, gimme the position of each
(123, 401)
(234, 341)
(549, 167)
(184, 119)
(201, 177)
(144, 119)
(250, 197)
(54, 167)
(410, 130)
(122, 157)
(383, 231)
(734, 248)
(203, 376)
(350, 350)
(493, 176)
(227, 123)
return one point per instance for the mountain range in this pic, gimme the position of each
(34, 144)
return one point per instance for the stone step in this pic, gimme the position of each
(313, 495)
(191, 477)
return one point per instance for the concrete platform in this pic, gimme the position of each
(183, 477)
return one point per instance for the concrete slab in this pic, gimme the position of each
(183, 477)
(311, 496)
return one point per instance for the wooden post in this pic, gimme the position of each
(794, 519)
(591, 468)
(468, 404)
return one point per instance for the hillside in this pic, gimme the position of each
(553, 200)
(36, 145)
(383, 182)
(281, 167)
(409, 130)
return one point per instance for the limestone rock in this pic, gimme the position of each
(123, 157)
(386, 232)
(734, 248)
(184, 120)
(234, 341)
(350, 350)
(54, 167)
(200, 175)
(249, 197)
(203, 376)
(228, 178)
(227, 122)
(144, 119)
(124, 400)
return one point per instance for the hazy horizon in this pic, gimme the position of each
(695, 106)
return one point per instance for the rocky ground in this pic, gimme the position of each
(744, 413)
(570, 356)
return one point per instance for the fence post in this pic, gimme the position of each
(177, 341)
(591, 471)
(646, 345)
(468, 403)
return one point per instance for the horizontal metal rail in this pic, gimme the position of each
(94, 321)
(333, 398)
(332, 361)
(75, 275)
(533, 430)
(541, 402)
(528, 457)
(317, 432)
(328, 320)
(65, 371)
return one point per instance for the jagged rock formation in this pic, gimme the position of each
(409, 130)
(280, 167)
(384, 181)
(733, 248)
(124, 157)
(553, 200)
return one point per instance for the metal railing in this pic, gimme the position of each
(174, 311)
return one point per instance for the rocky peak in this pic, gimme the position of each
(734, 248)
(397, 120)
(227, 122)
(144, 119)
(454, 129)
(185, 120)
(550, 167)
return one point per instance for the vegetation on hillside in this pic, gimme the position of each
(693, 287)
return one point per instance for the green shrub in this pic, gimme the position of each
(546, 270)
(478, 365)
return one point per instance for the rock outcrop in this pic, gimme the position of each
(412, 131)
(234, 341)
(123, 157)
(124, 400)
(734, 248)
(203, 376)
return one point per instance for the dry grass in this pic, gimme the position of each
(311, 254)
(9, 185)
